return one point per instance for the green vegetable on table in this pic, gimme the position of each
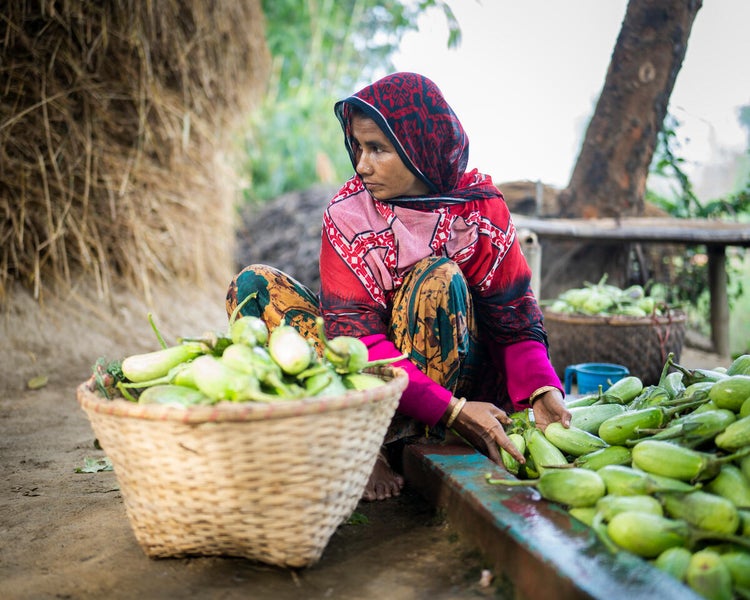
(609, 455)
(672, 460)
(589, 418)
(572, 440)
(572, 487)
(708, 575)
(675, 467)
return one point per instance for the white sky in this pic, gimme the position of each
(528, 73)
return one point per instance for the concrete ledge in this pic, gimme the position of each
(531, 543)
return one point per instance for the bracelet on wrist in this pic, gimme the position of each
(539, 392)
(455, 412)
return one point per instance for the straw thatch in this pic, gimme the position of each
(115, 120)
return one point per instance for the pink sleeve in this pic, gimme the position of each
(423, 399)
(527, 368)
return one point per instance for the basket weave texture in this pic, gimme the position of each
(267, 482)
(642, 344)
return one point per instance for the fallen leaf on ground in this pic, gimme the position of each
(37, 382)
(95, 465)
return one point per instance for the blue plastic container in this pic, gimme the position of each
(592, 375)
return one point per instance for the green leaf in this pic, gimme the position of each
(37, 382)
(358, 518)
(95, 465)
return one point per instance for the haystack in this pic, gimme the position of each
(116, 128)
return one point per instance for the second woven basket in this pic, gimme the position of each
(642, 344)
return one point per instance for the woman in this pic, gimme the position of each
(421, 257)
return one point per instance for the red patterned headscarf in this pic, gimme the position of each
(429, 138)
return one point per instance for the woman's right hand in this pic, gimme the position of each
(481, 424)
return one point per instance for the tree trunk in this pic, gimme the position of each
(609, 177)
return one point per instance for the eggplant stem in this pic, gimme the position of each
(697, 535)
(316, 389)
(600, 529)
(159, 337)
(320, 322)
(741, 453)
(384, 361)
(238, 308)
(125, 393)
(511, 482)
(314, 370)
(145, 384)
(665, 369)
(258, 396)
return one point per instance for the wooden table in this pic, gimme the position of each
(715, 235)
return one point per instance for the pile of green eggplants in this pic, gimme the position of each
(607, 300)
(247, 363)
(661, 471)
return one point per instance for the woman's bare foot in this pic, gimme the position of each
(384, 482)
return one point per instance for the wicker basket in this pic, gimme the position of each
(640, 344)
(268, 482)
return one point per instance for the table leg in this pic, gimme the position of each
(717, 283)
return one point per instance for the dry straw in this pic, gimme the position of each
(115, 118)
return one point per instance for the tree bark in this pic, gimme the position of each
(609, 178)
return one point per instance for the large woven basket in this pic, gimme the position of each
(268, 482)
(640, 344)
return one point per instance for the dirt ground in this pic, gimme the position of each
(65, 534)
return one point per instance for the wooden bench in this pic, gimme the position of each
(715, 235)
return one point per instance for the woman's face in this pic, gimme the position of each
(379, 165)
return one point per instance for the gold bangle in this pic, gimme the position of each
(456, 410)
(542, 390)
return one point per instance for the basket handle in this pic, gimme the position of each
(663, 336)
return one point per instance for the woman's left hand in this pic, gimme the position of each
(550, 407)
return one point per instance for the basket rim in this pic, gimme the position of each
(674, 316)
(225, 411)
